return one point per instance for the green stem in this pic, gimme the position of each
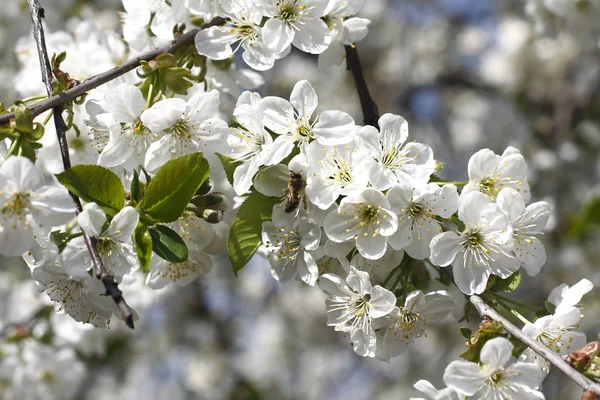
(509, 300)
(150, 96)
(15, 147)
(48, 117)
(521, 318)
(33, 98)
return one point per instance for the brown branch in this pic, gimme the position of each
(112, 289)
(369, 108)
(104, 77)
(552, 357)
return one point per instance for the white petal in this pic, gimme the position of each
(164, 114)
(91, 219)
(304, 99)
(277, 35)
(214, 42)
(123, 225)
(496, 352)
(314, 37)
(444, 248)
(278, 114)
(464, 376)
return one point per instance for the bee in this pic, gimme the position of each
(294, 194)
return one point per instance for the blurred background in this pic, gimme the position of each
(466, 74)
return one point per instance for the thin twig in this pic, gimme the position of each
(104, 77)
(369, 108)
(552, 357)
(112, 289)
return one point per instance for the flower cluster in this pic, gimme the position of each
(263, 30)
(498, 374)
(363, 197)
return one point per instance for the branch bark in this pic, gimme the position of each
(100, 79)
(369, 107)
(552, 357)
(112, 289)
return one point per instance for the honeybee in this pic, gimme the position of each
(294, 194)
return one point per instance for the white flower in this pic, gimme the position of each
(197, 235)
(335, 171)
(296, 22)
(188, 127)
(114, 246)
(215, 42)
(527, 223)
(344, 30)
(290, 242)
(392, 161)
(432, 393)
(46, 372)
(331, 258)
(292, 120)
(405, 324)
(135, 23)
(416, 209)
(557, 332)
(249, 144)
(209, 8)
(82, 297)
(163, 272)
(482, 249)
(365, 218)
(490, 173)
(496, 377)
(129, 137)
(353, 304)
(378, 269)
(91, 219)
(27, 202)
(565, 297)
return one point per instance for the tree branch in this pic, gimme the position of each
(552, 357)
(100, 79)
(112, 289)
(369, 108)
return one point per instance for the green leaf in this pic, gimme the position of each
(167, 244)
(173, 187)
(136, 192)
(587, 217)
(245, 233)
(97, 184)
(466, 332)
(229, 166)
(143, 246)
(509, 284)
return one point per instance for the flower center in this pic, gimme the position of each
(105, 246)
(181, 129)
(360, 304)
(488, 186)
(138, 127)
(16, 205)
(302, 133)
(47, 376)
(290, 11)
(416, 210)
(553, 338)
(476, 247)
(496, 377)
